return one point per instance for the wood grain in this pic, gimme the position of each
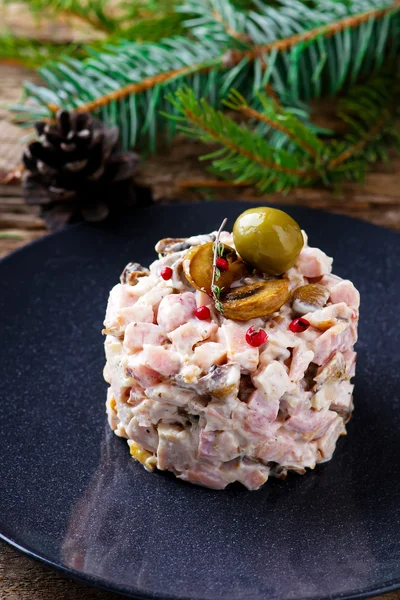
(169, 175)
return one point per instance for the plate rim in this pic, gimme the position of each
(130, 592)
(100, 583)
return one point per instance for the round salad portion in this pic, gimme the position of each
(230, 358)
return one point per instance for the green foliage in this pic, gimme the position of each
(32, 53)
(196, 51)
(246, 156)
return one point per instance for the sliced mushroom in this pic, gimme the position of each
(309, 298)
(132, 272)
(168, 245)
(256, 300)
(198, 267)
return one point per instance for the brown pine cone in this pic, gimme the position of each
(76, 170)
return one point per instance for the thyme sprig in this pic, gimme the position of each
(216, 273)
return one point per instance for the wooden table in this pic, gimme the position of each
(170, 176)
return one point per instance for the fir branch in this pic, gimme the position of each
(279, 120)
(326, 31)
(356, 148)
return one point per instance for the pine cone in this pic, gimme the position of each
(76, 169)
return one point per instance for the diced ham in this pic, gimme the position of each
(350, 359)
(340, 337)
(343, 399)
(239, 351)
(326, 317)
(251, 474)
(218, 445)
(186, 336)
(175, 310)
(327, 442)
(162, 360)
(206, 475)
(177, 447)
(312, 262)
(274, 449)
(272, 380)
(208, 354)
(145, 376)
(311, 424)
(263, 407)
(139, 313)
(121, 296)
(138, 334)
(154, 297)
(344, 291)
(301, 360)
(333, 369)
(145, 436)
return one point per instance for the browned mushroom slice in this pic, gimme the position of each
(198, 267)
(132, 272)
(256, 300)
(309, 298)
(170, 245)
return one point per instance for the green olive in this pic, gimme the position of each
(268, 239)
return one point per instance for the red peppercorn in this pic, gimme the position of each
(222, 264)
(256, 338)
(299, 325)
(203, 313)
(166, 273)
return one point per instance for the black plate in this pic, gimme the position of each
(71, 495)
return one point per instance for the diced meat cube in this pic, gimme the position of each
(145, 376)
(263, 407)
(344, 396)
(138, 334)
(120, 296)
(206, 475)
(145, 436)
(327, 442)
(333, 370)
(344, 291)
(175, 310)
(251, 474)
(139, 313)
(276, 447)
(218, 445)
(340, 337)
(311, 423)
(350, 359)
(301, 360)
(208, 354)
(239, 351)
(176, 447)
(325, 396)
(312, 262)
(154, 297)
(272, 380)
(186, 336)
(162, 360)
(327, 317)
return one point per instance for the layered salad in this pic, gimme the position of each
(230, 357)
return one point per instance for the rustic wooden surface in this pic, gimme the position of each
(169, 175)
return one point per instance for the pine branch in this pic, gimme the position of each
(369, 110)
(280, 120)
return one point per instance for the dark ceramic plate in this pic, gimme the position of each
(71, 496)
